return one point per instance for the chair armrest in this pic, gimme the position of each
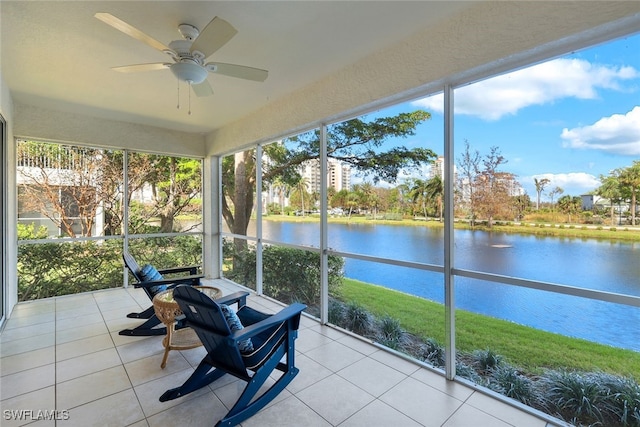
(283, 315)
(239, 297)
(170, 281)
(192, 269)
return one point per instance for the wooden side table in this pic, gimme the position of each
(167, 310)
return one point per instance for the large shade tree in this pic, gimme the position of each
(358, 143)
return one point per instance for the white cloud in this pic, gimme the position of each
(619, 134)
(573, 183)
(537, 85)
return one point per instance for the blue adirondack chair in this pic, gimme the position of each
(248, 344)
(153, 281)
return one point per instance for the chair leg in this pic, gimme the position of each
(243, 409)
(198, 379)
(146, 314)
(146, 329)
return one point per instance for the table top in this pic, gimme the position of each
(166, 297)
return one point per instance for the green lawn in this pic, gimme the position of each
(525, 347)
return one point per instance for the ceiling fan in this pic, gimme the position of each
(189, 55)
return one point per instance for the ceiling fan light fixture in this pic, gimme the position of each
(189, 72)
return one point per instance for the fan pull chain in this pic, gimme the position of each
(189, 98)
(178, 107)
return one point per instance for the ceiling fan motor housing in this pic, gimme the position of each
(189, 32)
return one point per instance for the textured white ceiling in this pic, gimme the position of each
(56, 55)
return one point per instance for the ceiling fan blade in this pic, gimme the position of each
(202, 89)
(215, 35)
(239, 71)
(129, 30)
(141, 67)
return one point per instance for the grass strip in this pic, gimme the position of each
(528, 348)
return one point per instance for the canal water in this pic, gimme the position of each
(588, 263)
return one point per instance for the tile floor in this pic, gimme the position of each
(65, 354)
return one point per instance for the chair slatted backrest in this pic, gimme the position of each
(132, 265)
(205, 316)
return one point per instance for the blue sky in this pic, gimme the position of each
(569, 120)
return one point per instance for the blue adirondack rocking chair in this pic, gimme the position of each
(250, 351)
(153, 282)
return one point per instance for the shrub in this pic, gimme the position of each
(336, 312)
(357, 318)
(289, 274)
(508, 381)
(574, 396)
(391, 333)
(486, 360)
(431, 351)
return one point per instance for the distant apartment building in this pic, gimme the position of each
(338, 175)
(437, 168)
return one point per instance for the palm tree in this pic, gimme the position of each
(435, 191)
(540, 184)
(610, 189)
(418, 192)
(630, 178)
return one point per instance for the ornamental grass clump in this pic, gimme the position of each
(432, 352)
(357, 318)
(574, 396)
(391, 334)
(507, 380)
(486, 360)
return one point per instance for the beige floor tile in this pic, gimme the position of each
(204, 410)
(231, 391)
(469, 416)
(421, 402)
(87, 364)
(334, 399)
(309, 339)
(36, 318)
(370, 375)
(378, 413)
(85, 389)
(27, 308)
(398, 363)
(116, 410)
(505, 412)
(72, 323)
(195, 355)
(81, 332)
(78, 311)
(310, 373)
(362, 346)
(27, 381)
(22, 409)
(439, 382)
(334, 356)
(148, 369)
(284, 413)
(29, 360)
(27, 332)
(24, 345)
(83, 346)
(141, 349)
(149, 393)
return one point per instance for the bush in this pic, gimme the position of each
(431, 351)
(357, 318)
(508, 381)
(486, 360)
(391, 333)
(574, 396)
(288, 274)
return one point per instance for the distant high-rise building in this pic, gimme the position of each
(437, 168)
(338, 175)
